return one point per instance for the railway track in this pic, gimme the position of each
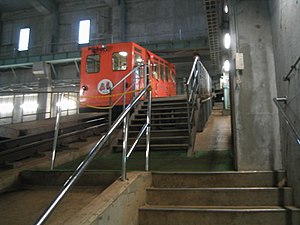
(13, 150)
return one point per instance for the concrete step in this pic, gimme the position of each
(190, 215)
(163, 133)
(156, 147)
(161, 115)
(161, 126)
(164, 110)
(161, 120)
(159, 140)
(217, 179)
(166, 104)
(220, 196)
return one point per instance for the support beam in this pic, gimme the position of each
(122, 20)
(45, 7)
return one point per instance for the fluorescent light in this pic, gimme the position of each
(24, 39)
(124, 54)
(227, 40)
(226, 9)
(84, 32)
(226, 66)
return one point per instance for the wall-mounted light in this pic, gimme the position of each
(226, 66)
(227, 40)
(226, 9)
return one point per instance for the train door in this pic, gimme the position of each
(162, 82)
(172, 81)
(155, 77)
(139, 59)
(167, 69)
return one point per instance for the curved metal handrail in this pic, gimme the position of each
(293, 67)
(286, 117)
(83, 165)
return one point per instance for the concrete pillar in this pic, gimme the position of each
(285, 16)
(255, 121)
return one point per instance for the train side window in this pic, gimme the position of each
(137, 59)
(93, 63)
(119, 61)
(172, 75)
(167, 73)
(155, 71)
(162, 71)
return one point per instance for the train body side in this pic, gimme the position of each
(103, 66)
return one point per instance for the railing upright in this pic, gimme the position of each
(286, 117)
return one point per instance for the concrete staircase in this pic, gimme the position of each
(215, 198)
(169, 130)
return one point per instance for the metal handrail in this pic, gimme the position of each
(83, 165)
(192, 91)
(293, 67)
(123, 95)
(286, 117)
(125, 77)
(195, 86)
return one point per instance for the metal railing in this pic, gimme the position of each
(196, 86)
(123, 117)
(125, 90)
(286, 117)
(293, 67)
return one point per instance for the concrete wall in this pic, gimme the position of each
(118, 204)
(285, 18)
(255, 117)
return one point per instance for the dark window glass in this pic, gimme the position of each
(93, 63)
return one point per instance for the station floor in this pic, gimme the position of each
(216, 135)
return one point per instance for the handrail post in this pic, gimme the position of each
(125, 144)
(124, 94)
(57, 123)
(110, 109)
(188, 110)
(149, 93)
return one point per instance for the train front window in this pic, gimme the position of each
(119, 61)
(93, 63)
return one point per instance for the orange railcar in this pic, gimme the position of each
(103, 66)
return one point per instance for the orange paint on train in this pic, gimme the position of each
(103, 66)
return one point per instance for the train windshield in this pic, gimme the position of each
(119, 61)
(93, 63)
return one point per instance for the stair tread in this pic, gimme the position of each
(161, 137)
(216, 188)
(165, 118)
(163, 131)
(213, 208)
(160, 145)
